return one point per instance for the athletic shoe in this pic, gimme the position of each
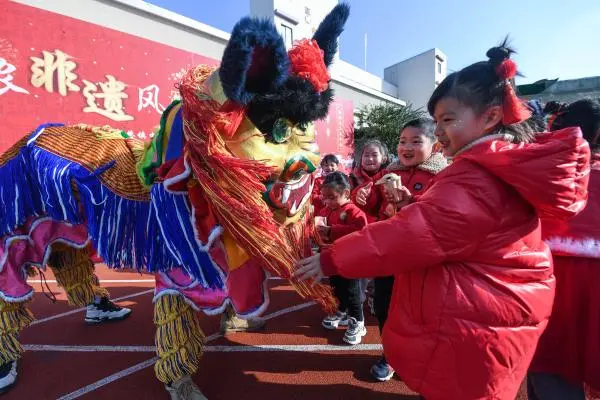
(335, 320)
(356, 330)
(8, 376)
(185, 389)
(382, 371)
(106, 310)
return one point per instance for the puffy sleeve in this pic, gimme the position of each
(373, 201)
(447, 223)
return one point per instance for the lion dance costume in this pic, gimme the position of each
(218, 200)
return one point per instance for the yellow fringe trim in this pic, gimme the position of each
(107, 132)
(179, 339)
(13, 318)
(74, 271)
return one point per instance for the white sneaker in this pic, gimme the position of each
(106, 310)
(335, 320)
(8, 376)
(356, 330)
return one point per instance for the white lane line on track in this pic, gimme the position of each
(111, 378)
(144, 364)
(77, 310)
(101, 281)
(306, 348)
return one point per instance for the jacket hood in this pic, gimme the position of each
(552, 173)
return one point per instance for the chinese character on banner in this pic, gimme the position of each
(44, 69)
(148, 97)
(112, 96)
(6, 78)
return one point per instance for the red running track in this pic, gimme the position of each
(293, 358)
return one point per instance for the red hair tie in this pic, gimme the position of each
(513, 108)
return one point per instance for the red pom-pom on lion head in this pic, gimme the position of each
(307, 62)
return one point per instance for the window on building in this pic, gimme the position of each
(439, 66)
(288, 35)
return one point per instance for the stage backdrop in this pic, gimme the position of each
(58, 69)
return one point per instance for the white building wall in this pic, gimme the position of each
(262, 8)
(417, 77)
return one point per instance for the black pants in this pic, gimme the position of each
(541, 386)
(347, 292)
(382, 298)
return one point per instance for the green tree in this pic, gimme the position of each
(382, 122)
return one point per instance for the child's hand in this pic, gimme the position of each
(363, 193)
(310, 268)
(399, 196)
(324, 231)
(390, 210)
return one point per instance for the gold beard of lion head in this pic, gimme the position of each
(295, 156)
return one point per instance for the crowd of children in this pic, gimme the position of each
(459, 248)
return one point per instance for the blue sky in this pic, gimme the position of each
(554, 38)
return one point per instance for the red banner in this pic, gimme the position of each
(335, 134)
(59, 69)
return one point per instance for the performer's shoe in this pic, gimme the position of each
(233, 323)
(105, 310)
(185, 389)
(8, 376)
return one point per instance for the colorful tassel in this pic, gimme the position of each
(179, 339)
(19, 193)
(13, 318)
(174, 217)
(126, 233)
(74, 271)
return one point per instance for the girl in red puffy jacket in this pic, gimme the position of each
(342, 218)
(474, 283)
(417, 164)
(373, 158)
(329, 164)
(568, 354)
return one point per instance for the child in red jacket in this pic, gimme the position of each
(373, 158)
(417, 164)
(341, 218)
(474, 284)
(329, 164)
(568, 354)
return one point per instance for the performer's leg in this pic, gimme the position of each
(179, 344)
(74, 271)
(13, 318)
